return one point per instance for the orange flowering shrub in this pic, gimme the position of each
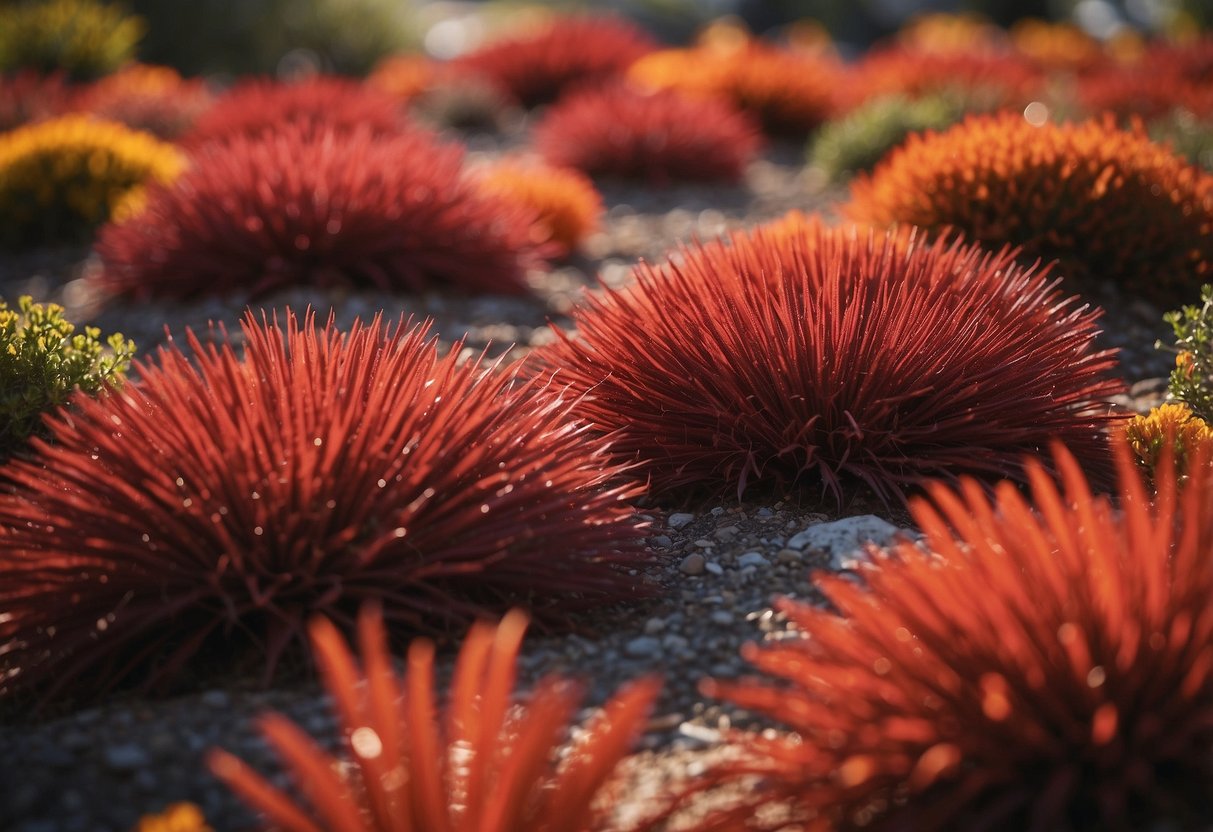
(180, 817)
(1171, 426)
(152, 98)
(406, 76)
(943, 33)
(1056, 46)
(481, 766)
(565, 203)
(786, 91)
(1043, 664)
(1109, 204)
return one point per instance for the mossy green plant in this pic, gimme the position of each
(1188, 134)
(43, 361)
(82, 38)
(857, 141)
(1192, 379)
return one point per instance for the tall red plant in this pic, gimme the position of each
(662, 136)
(226, 503)
(483, 766)
(824, 357)
(538, 67)
(1039, 665)
(257, 213)
(313, 105)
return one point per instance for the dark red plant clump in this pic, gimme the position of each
(661, 136)
(539, 67)
(314, 105)
(222, 503)
(30, 96)
(257, 213)
(831, 357)
(980, 80)
(1037, 665)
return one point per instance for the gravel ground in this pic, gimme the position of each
(720, 565)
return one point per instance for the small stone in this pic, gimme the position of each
(714, 568)
(722, 617)
(216, 699)
(788, 556)
(726, 533)
(680, 520)
(764, 512)
(692, 564)
(654, 626)
(642, 647)
(752, 559)
(719, 510)
(125, 757)
(704, 543)
(663, 541)
(674, 643)
(844, 539)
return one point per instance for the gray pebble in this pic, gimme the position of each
(752, 559)
(642, 647)
(722, 617)
(788, 556)
(663, 541)
(714, 568)
(125, 757)
(680, 520)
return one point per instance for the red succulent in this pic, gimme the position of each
(151, 98)
(31, 96)
(540, 66)
(225, 504)
(256, 213)
(1039, 665)
(980, 80)
(661, 136)
(483, 766)
(830, 356)
(314, 104)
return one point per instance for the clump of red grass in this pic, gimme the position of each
(659, 137)
(482, 765)
(980, 80)
(30, 96)
(1043, 664)
(1110, 204)
(827, 358)
(319, 207)
(151, 98)
(313, 105)
(223, 502)
(567, 51)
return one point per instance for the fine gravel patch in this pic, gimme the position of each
(719, 566)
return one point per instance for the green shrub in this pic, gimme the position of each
(1192, 378)
(82, 38)
(43, 361)
(1190, 136)
(857, 141)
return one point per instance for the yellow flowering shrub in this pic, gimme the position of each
(61, 178)
(1147, 434)
(83, 38)
(180, 817)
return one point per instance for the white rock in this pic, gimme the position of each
(844, 540)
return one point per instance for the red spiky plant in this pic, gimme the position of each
(30, 96)
(659, 137)
(830, 358)
(224, 505)
(256, 213)
(1039, 665)
(567, 51)
(980, 80)
(314, 104)
(788, 92)
(482, 766)
(1110, 204)
(155, 99)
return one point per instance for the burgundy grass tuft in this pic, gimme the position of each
(660, 136)
(483, 765)
(257, 213)
(823, 357)
(315, 104)
(1041, 665)
(568, 51)
(226, 504)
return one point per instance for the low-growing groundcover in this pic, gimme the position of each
(822, 359)
(227, 503)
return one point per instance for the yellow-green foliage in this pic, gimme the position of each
(1190, 135)
(43, 361)
(83, 38)
(1192, 378)
(59, 179)
(1173, 427)
(860, 139)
